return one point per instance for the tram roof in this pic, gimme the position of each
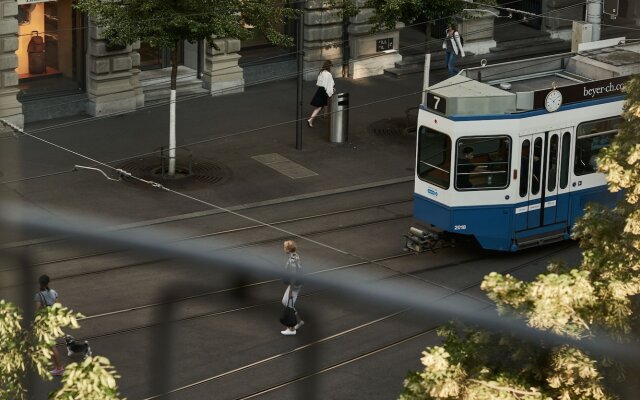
(522, 85)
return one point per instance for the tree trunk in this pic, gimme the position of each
(172, 111)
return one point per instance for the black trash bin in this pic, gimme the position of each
(339, 126)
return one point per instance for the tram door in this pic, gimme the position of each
(544, 171)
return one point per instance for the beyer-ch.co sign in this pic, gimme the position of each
(584, 91)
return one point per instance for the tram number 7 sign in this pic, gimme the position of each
(436, 103)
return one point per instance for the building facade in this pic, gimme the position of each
(55, 62)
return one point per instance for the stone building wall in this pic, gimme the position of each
(322, 38)
(112, 75)
(222, 74)
(10, 107)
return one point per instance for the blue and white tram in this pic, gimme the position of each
(506, 153)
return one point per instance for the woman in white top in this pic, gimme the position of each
(325, 90)
(46, 297)
(452, 47)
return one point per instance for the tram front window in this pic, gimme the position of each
(590, 138)
(483, 162)
(434, 157)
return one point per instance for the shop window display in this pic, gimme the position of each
(48, 57)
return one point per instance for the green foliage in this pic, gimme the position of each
(597, 296)
(481, 365)
(93, 379)
(24, 349)
(163, 23)
(388, 12)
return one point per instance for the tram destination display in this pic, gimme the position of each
(436, 103)
(583, 91)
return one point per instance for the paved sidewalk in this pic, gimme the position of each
(243, 144)
(237, 135)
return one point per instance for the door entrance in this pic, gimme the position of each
(544, 178)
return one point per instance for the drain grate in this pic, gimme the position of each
(200, 173)
(388, 127)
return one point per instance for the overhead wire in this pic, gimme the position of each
(222, 136)
(157, 185)
(266, 80)
(248, 131)
(332, 43)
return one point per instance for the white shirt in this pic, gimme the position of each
(49, 297)
(325, 80)
(455, 43)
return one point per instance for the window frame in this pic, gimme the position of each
(578, 147)
(422, 130)
(507, 172)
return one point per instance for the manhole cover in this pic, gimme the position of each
(388, 127)
(188, 175)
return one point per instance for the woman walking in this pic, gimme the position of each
(325, 90)
(46, 297)
(452, 47)
(293, 267)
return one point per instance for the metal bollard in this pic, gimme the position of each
(339, 124)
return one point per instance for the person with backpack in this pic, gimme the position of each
(294, 284)
(46, 297)
(452, 46)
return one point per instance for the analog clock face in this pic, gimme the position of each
(553, 101)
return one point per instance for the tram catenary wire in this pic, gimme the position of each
(291, 75)
(350, 330)
(206, 203)
(261, 60)
(155, 184)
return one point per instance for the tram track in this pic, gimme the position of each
(350, 359)
(252, 306)
(219, 233)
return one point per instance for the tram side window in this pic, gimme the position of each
(434, 157)
(552, 170)
(564, 161)
(536, 170)
(590, 138)
(524, 167)
(482, 162)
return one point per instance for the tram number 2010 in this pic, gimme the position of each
(459, 227)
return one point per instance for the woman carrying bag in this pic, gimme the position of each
(290, 314)
(452, 47)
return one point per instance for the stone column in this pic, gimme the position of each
(222, 74)
(111, 76)
(322, 38)
(371, 53)
(10, 107)
(561, 28)
(478, 32)
(135, 77)
(633, 11)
